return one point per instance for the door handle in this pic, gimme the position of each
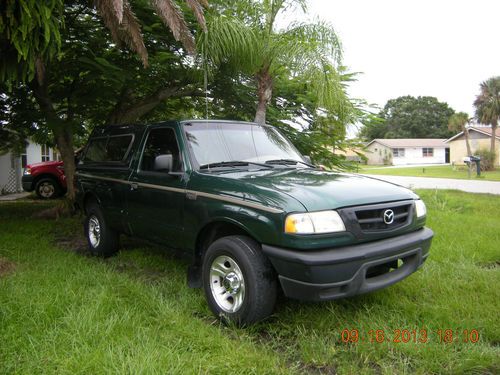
(134, 186)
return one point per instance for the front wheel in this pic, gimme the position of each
(102, 240)
(47, 188)
(239, 282)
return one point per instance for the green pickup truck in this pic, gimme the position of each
(252, 214)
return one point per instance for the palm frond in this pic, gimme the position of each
(172, 17)
(230, 40)
(317, 38)
(487, 103)
(108, 14)
(123, 26)
(118, 8)
(197, 8)
(132, 34)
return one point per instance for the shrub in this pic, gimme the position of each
(487, 159)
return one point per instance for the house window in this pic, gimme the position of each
(45, 153)
(427, 152)
(398, 152)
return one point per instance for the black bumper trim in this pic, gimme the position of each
(343, 271)
(27, 182)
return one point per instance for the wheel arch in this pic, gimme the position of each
(40, 176)
(216, 229)
(88, 198)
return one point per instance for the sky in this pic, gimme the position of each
(440, 48)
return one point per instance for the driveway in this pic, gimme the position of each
(470, 186)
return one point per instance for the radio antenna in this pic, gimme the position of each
(205, 77)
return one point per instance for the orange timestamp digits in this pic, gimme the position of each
(422, 336)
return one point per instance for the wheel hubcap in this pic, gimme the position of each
(227, 284)
(94, 231)
(46, 189)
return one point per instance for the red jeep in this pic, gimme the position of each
(46, 178)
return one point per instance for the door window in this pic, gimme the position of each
(161, 152)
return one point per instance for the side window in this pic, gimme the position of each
(108, 149)
(96, 150)
(161, 152)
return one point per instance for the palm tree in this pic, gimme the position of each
(487, 105)
(253, 46)
(125, 29)
(458, 123)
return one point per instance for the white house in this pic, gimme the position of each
(407, 151)
(11, 165)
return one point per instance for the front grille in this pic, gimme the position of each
(372, 218)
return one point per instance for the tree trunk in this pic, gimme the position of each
(494, 126)
(264, 95)
(467, 142)
(62, 131)
(64, 140)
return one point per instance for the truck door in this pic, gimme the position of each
(156, 196)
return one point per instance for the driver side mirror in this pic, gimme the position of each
(163, 163)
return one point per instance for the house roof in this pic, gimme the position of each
(483, 130)
(410, 142)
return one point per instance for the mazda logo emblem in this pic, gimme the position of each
(388, 216)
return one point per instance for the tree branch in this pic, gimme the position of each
(124, 113)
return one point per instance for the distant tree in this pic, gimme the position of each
(458, 123)
(410, 117)
(487, 105)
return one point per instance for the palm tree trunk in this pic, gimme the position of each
(467, 142)
(264, 95)
(494, 126)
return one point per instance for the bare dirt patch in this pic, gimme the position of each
(6, 267)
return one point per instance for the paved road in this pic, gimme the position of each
(471, 186)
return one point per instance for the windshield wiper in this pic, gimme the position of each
(233, 164)
(289, 162)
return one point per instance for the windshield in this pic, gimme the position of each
(214, 143)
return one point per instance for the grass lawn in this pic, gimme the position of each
(442, 171)
(62, 311)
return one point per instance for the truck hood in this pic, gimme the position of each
(45, 164)
(317, 190)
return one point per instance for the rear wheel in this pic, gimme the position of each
(240, 283)
(102, 240)
(47, 188)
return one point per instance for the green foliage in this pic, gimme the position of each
(457, 122)
(29, 30)
(410, 117)
(487, 159)
(487, 103)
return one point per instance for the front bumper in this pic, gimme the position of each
(27, 182)
(348, 270)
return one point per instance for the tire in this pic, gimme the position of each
(101, 239)
(239, 282)
(47, 188)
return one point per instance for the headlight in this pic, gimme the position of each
(420, 208)
(314, 223)
(27, 170)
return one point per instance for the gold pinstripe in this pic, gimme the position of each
(224, 198)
